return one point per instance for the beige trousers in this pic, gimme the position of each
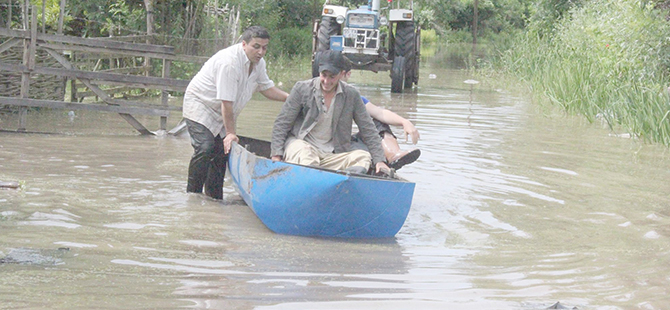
(302, 153)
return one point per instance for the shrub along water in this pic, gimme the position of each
(608, 59)
(286, 70)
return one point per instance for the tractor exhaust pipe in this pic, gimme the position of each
(375, 5)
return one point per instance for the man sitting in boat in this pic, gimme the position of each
(315, 123)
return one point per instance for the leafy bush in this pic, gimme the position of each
(608, 59)
(291, 42)
(428, 37)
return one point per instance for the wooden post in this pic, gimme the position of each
(44, 13)
(164, 94)
(24, 14)
(111, 60)
(9, 14)
(61, 16)
(73, 81)
(73, 90)
(166, 25)
(149, 6)
(33, 38)
(29, 46)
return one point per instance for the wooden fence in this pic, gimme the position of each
(61, 48)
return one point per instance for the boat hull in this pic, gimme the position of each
(299, 200)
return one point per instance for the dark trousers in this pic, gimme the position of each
(357, 142)
(208, 164)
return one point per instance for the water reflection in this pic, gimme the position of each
(512, 210)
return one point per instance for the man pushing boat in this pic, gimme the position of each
(213, 100)
(315, 123)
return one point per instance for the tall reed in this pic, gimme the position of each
(608, 59)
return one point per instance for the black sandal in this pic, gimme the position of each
(408, 158)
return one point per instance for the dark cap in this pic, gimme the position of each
(332, 61)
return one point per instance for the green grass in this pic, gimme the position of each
(608, 60)
(285, 71)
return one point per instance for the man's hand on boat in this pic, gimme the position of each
(276, 158)
(228, 141)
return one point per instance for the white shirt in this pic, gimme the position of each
(225, 76)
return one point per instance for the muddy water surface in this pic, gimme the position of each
(512, 210)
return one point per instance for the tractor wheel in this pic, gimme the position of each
(315, 68)
(398, 74)
(315, 64)
(329, 27)
(417, 48)
(405, 46)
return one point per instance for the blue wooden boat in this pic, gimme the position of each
(307, 201)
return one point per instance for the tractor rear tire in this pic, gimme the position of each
(315, 64)
(315, 67)
(405, 46)
(417, 56)
(328, 27)
(398, 74)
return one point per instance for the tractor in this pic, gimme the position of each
(372, 40)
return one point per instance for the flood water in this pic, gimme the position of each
(512, 210)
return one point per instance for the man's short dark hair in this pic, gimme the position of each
(332, 61)
(255, 32)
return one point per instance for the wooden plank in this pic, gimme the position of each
(127, 70)
(132, 85)
(9, 44)
(129, 118)
(144, 81)
(181, 127)
(126, 102)
(136, 124)
(116, 52)
(92, 42)
(128, 38)
(97, 46)
(115, 79)
(158, 111)
(104, 52)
